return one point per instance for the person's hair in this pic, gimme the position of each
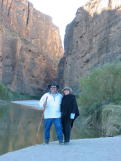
(67, 88)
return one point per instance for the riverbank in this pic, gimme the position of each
(98, 149)
(7, 95)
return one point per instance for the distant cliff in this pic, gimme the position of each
(30, 47)
(92, 39)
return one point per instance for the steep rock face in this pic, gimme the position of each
(92, 39)
(30, 47)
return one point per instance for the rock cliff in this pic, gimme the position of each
(30, 47)
(92, 39)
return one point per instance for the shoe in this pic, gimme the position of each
(66, 142)
(46, 142)
(61, 142)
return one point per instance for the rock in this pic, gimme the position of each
(30, 47)
(92, 39)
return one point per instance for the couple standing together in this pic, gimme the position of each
(60, 110)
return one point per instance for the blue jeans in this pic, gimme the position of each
(58, 127)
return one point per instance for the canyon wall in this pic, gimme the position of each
(30, 47)
(92, 39)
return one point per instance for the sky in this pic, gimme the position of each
(61, 11)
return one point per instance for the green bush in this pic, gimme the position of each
(3, 91)
(101, 86)
(111, 120)
(7, 94)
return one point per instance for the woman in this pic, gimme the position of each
(69, 111)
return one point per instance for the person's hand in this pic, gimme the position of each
(72, 115)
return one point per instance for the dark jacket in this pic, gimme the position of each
(69, 105)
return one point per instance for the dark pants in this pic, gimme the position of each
(66, 127)
(58, 126)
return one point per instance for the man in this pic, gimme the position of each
(50, 102)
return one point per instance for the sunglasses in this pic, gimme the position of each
(53, 87)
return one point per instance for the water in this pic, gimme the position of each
(19, 125)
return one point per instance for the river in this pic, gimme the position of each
(19, 124)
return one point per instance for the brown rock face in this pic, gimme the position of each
(92, 39)
(30, 47)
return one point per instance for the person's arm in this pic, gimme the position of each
(74, 108)
(43, 102)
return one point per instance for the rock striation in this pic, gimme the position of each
(92, 39)
(30, 47)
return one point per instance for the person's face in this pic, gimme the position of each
(66, 92)
(53, 89)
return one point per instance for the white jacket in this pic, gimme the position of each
(52, 109)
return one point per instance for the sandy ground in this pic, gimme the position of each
(99, 149)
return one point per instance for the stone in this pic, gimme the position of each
(92, 39)
(30, 47)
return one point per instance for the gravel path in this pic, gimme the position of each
(99, 149)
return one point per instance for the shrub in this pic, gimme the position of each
(101, 86)
(3, 91)
(7, 94)
(111, 120)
